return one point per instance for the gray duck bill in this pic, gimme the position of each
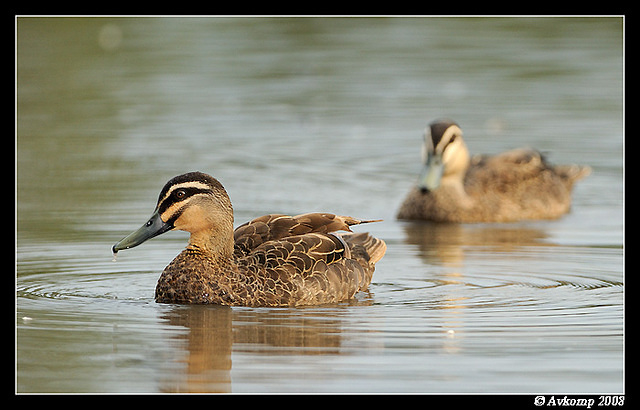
(154, 227)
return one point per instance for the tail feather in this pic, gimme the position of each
(573, 173)
(326, 222)
(365, 250)
(375, 248)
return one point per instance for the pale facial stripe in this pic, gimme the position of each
(447, 137)
(170, 207)
(184, 185)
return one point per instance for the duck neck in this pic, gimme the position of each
(217, 241)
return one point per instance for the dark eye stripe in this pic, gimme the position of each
(174, 217)
(173, 199)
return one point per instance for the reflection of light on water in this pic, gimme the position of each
(453, 320)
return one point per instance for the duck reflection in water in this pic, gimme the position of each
(446, 243)
(213, 331)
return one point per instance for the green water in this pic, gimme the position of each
(296, 115)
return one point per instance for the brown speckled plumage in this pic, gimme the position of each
(515, 185)
(273, 260)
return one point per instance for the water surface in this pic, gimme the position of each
(316, 114)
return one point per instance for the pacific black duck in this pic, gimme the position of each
(515, 185)
(273, 260)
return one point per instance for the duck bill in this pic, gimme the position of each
(431, 174)
(154, 227)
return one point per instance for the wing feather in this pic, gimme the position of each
(277, 226)
(311, 268)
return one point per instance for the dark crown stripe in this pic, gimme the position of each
(438, 130)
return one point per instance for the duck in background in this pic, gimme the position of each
(515, 185)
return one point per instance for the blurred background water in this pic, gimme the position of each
(316, 114)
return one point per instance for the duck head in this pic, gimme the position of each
(445, 156)
(194, 202)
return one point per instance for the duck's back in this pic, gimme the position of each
(511, 186)
(311, 269)
(521, 184)
(304, 259)
(278, 260)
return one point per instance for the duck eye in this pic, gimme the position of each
(180, 193)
